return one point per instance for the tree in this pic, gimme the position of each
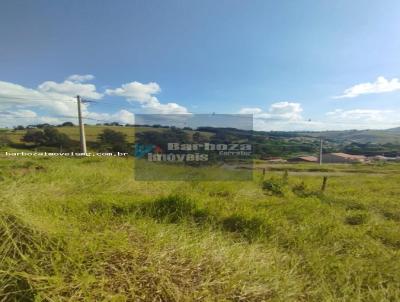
(113, 141)
(162, 138)
(4, 141)
(50, 137)
(199, 138)
(42, 126)
(54, 138)
(34, 136)
(67, 124)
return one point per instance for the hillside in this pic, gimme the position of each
(282, 144)
(92, 132)
(359, 136)
(346, 136)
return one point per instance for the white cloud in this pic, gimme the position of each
(52, 102)
(13, 95)
(72, 89)
(29, 117)
(362, 119)
(281, 111)
(25, 117)
(280, 116)
(136, 91)
(250, 110)
(21, 113)
(50, 98)
(19, 104)
(288, 116)
(144, 95)
(286, 111)
(123, 116)
(275, 125)
(80, 78)
(381, 85)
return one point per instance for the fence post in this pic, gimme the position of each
(324, 182)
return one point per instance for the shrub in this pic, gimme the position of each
(4, 141)
(25, 252)
(250, 228)
(274, 186)
(172, 208)
(355, 206)
(285, 177)
(16, 288)
(50, 137)
(388, 235)
(54, 138)
(302, 190)
(395, 216)
(357, 218)
(114, 141)
(67, 124)
(34, 136)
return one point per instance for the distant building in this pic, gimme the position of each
(274, 159)
(343, 158)
(308, 159)
(379, 157)
(384, 158)
(277, 160)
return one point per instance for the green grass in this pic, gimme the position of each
(82, 229)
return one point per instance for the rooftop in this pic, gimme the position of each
(349, 156)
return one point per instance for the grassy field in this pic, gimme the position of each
(92, 132)
(82, 229)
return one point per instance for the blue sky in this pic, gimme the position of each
(284, 61)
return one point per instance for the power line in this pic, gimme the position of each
(84, 101)
(35, 99)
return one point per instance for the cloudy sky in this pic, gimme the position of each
(295, 65)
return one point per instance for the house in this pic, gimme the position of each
(308, 159)
(379, 158)
(274, 159)
(277, 160)
(384, 158)
(343, 158)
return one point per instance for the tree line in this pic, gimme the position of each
(108, 140)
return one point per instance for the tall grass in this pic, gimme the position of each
(85, 230)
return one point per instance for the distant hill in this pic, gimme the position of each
(342, 137)
(358, 136)
(92, 132)
(396, 130)
(267, 143)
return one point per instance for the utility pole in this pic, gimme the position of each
(320, 153)
(81, 126)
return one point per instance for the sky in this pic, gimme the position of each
(294, 65)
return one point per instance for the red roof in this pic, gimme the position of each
(306, 158)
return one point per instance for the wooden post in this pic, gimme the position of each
(324, 182)
(320, 152)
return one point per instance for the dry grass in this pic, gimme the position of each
(84, 230)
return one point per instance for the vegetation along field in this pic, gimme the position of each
(267, 144)
(82, 229)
